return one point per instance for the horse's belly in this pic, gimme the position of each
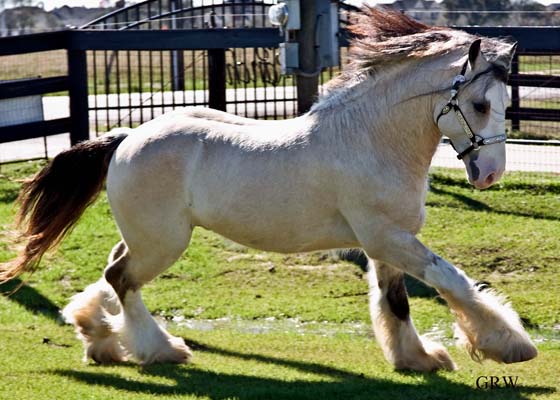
(286, 235)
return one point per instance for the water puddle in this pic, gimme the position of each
(438, 332)
(274, 325)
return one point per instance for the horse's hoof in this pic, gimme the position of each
(175, 352)
(504, 347)
(105, 351)
(432, 357)
(180, 353)
(439, 356)
(521, 352)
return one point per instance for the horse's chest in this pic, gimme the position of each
(402, 205)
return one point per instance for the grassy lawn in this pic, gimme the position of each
(318, 344)
(543, 63)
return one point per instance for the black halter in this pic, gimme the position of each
(453, 104)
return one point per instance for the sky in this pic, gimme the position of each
(50, 4)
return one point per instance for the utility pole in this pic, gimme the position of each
(310, 30)
(307, 80)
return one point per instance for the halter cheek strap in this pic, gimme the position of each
(453, 104)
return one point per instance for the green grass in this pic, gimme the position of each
(506, 236)
(230, 365)
(544, 63)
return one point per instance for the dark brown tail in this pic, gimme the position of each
(53, 201)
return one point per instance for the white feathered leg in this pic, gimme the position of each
(490, 328)
(393, 326)
(153, 243)
(90, 312)
(144, 338)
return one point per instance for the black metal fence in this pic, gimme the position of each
(129, 87)
(534, 112)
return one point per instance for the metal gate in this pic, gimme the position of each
(128, 87)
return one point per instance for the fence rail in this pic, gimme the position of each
(13, 89)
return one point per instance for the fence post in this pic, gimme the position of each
(79, 108)
(308, 85)
(177, 61)
(217, 79)
(515, 101)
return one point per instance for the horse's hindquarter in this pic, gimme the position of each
(265, 189)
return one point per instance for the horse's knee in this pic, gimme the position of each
(119, 278)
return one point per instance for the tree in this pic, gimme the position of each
(21, 17)
(480, 16)
(534, 13)
(17, 3)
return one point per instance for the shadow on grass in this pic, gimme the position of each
(530, 183)
(337, 383)
(476, 205)
(29, 298)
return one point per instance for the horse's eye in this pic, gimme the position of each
(481, 107)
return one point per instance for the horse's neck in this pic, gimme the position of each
(389, 116)
(407, 126)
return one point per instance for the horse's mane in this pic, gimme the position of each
(382, 37)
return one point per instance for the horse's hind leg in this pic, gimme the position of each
(154, 242)
(90, 312)
(393, 326)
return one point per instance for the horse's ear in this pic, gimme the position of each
(510, 54)
(474, 52)
(513, 48)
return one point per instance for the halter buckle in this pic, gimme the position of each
(459, 80)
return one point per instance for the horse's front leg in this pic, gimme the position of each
(393, 325)
(488, 327)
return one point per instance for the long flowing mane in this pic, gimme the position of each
(383, 38)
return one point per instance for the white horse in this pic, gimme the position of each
(352, 172)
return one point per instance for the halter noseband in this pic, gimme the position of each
(453, 104)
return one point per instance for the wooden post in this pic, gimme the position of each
(217, 79)
(515, 102)
(307, 86)
(79, 108)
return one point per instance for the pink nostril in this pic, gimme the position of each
(490, 179)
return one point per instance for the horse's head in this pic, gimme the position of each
(472, 113)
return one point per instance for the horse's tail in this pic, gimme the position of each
(53, 200)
